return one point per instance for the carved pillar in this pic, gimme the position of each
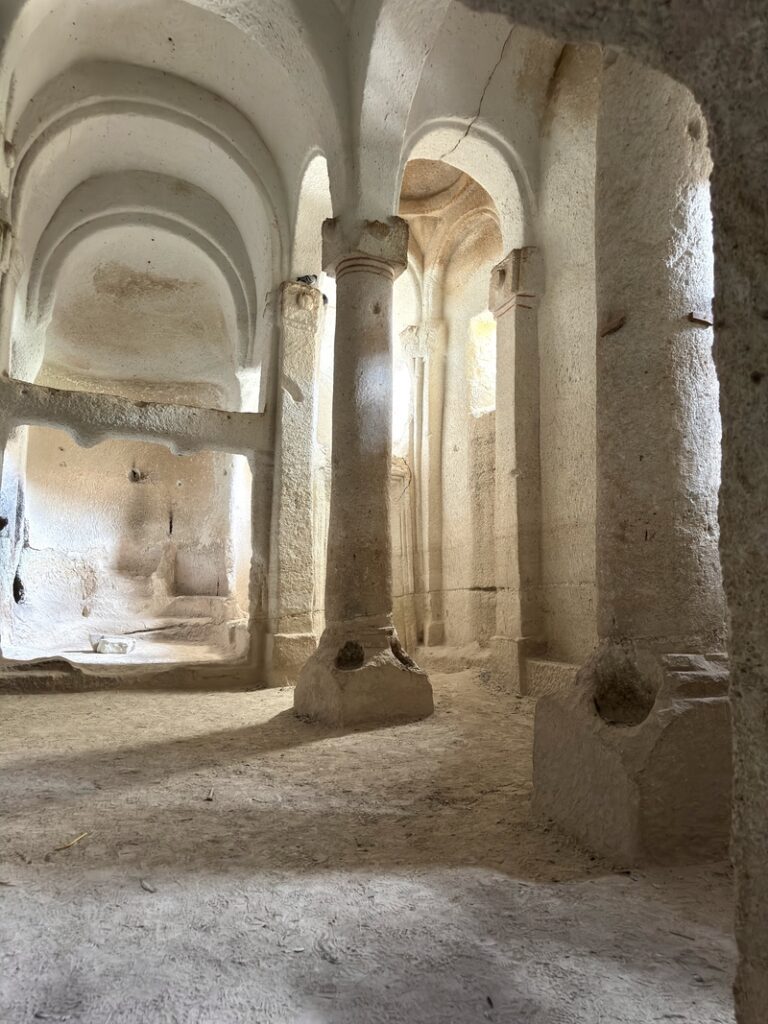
(434, 334)
(412, 347)
(293, 638)
(360, 673)
(658, 429)
(649, 715)
(13, 466)
(426, 343)
(9, 278)
(514, 292)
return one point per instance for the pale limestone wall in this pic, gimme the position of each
(111, 534)
(321, 449)
(718, 52)
(312, 74)
(474, 56)
(403, 554)
(468, 463)
(658, 419)
(567, 328)
(292, 576)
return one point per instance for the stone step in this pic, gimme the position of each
(697, 684)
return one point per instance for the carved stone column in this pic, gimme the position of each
(434, 334)
(360, 673)
(293, 638)
(515, 287)
(412, 492)
(426, 343)
(635, 759)
(9, 278)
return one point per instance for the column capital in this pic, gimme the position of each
(518, 280)
(422, 340)
(377, 246)
(300, 304)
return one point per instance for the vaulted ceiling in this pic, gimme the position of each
(168, 162)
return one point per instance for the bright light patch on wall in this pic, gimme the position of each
(401, 407)
(481, 363)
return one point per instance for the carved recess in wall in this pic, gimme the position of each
(430, 186)
(447, 211)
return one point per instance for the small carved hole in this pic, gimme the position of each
(350, 656)
(622, 696)
(18, 590)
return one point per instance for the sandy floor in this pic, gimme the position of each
(241, 867)
(152, 652)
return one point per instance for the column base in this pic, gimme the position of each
(635, 761)
(360, 676)
(287, 653)
(508, 660)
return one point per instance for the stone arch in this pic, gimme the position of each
(152, 201)
(314, 205)
(188, 115)
(300, 94)
(491, 161)
(199, 144)
(177, 121)
(391, 48)
(717, 58)
(443, 247)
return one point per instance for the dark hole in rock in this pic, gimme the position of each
(135, 475)
(3, 522)
(399, 653)
(18, 589)
(350, 656)
(622, 696)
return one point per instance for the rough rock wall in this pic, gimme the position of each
(114, 531)
(658, 426)
(717, 50)
(468, 465)
(567, 326)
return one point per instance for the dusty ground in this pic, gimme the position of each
(241, 867)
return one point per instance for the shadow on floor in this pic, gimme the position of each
(450, 790)
(283, 794)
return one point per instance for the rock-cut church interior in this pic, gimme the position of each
(383, 436)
